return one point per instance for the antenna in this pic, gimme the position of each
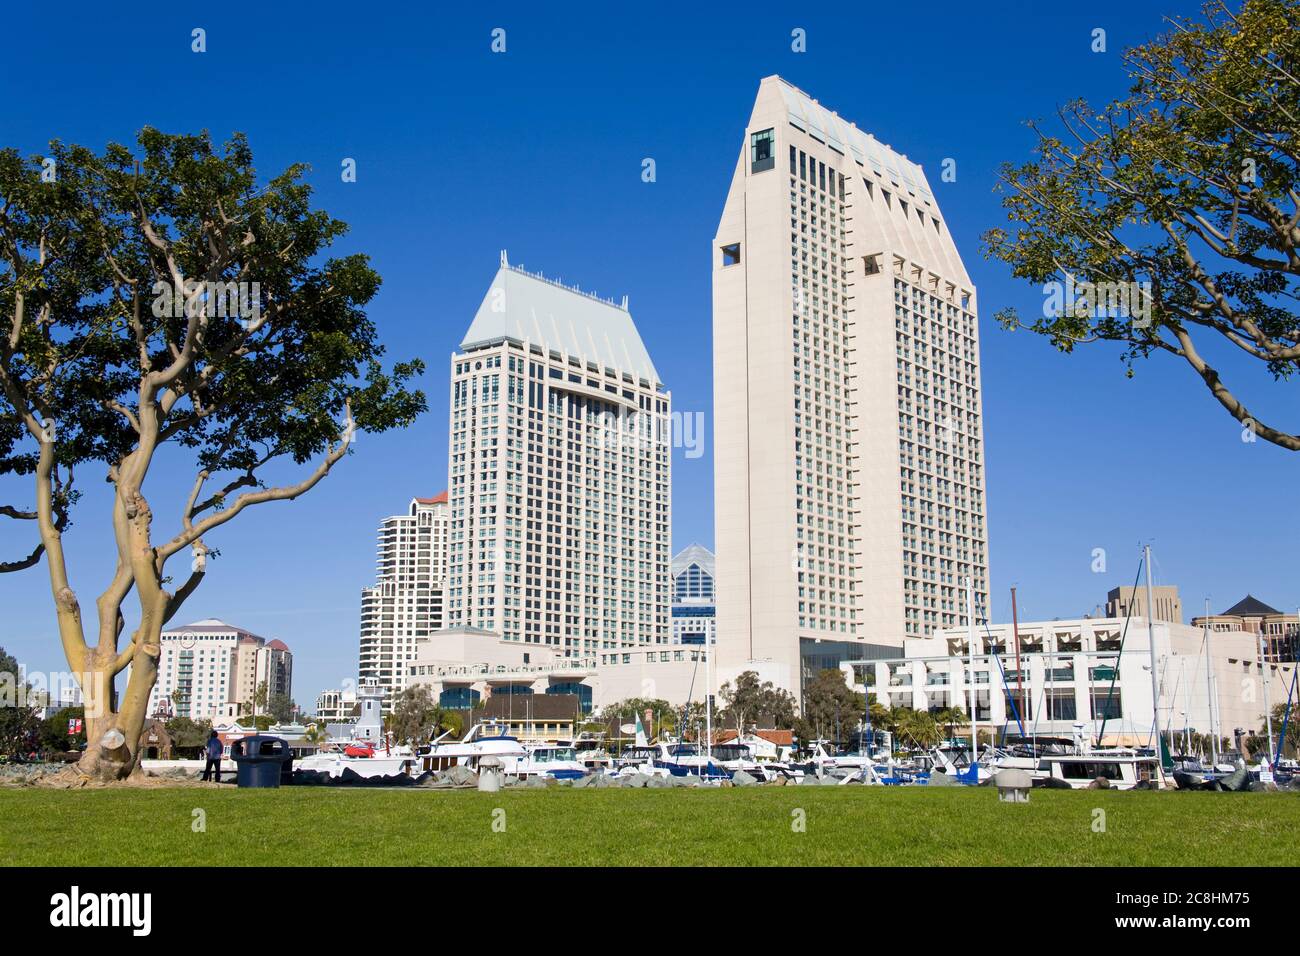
(505, 262)
(625, 303)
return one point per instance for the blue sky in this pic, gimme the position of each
(461, 152)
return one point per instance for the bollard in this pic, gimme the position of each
(1013, 785)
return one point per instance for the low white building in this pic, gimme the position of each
(464, 666)
(336, 705)
(1073, 672)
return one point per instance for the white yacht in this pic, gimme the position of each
(641, 758)
(361, 758)
(558, 761)
(515, 759)
(1122, 768)
(669, 758)
(481, 741)
(735, 757)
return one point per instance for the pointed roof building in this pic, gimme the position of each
(526, 308)
(1251, 606)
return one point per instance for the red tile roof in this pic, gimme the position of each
(435, 500)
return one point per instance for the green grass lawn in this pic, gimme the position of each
(843, 825)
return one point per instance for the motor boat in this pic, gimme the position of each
(362, 757)
(557, 761)
(482, 740)
(736, 757)
(669, 758)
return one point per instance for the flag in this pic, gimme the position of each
(640, 733)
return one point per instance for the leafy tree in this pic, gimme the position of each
(917, 727)
(162, 303)
(415, 715)
(54, 730)
(627, 711)
(750, 701)
(316, 734)
(20, 727)
(1175, 209)
(950, 718)
(451, 722)
(257, 703)
(1291, 745)
(830, 707)
(187, 733)
(280, 706)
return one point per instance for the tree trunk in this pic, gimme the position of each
(113, 730)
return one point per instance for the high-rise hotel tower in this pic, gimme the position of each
(558, 473)
(405, 604)
(849, 453)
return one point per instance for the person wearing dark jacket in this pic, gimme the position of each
(213, 749)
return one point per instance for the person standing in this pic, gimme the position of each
(213, 750)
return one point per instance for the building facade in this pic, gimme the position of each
(466, 667)
(848, 442)
(558, 474)
(336, 705)
(1074, 672)
(211, 669)
(1132, 601)
(694, 596)
(1277, 631)
(405, 604)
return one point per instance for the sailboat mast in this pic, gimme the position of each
(1209, 690)
(1020, 676)
(708, 699)
(1268, 698)
(1155, 676)
(970, 646)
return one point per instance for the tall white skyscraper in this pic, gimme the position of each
(406, 602)
(848, 444)
(558, 460)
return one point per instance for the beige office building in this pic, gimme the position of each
(849, 452)
(1126, 601)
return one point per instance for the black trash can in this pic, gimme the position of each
(263, 761)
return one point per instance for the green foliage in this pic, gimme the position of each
(1189, 187)
(751, 703)
(280, 706)
(831, 710)
(1291, 745)
(188, 733)
(416, 717)
(54, 730)
(914, 728)
(90, 262)
(20, 727)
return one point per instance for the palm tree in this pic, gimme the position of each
(951, 717)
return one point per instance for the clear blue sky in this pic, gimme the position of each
(462, 152)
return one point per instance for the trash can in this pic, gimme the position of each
(262, 761)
